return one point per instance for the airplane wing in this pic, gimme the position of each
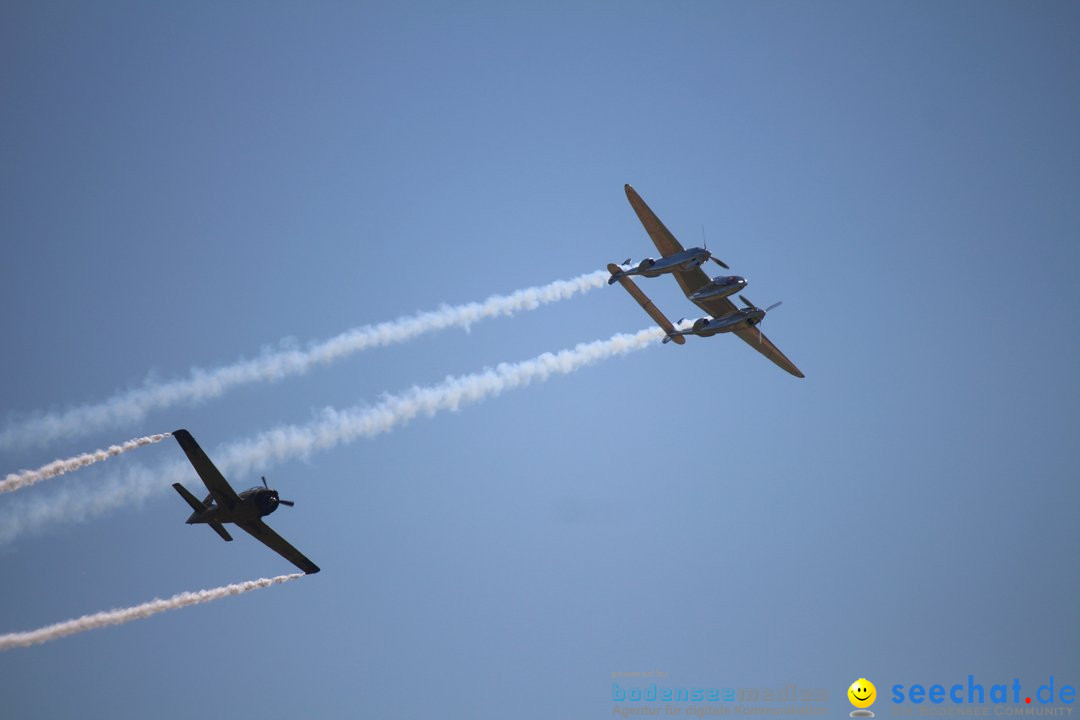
(646, 304)
(689, 280)
(763, 345)
(717, 307)
(222, 492)
(262, 532)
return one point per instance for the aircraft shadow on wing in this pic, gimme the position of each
(245, 510)
(711, 295)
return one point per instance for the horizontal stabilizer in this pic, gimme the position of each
(647, 305)
(191, 499)
(221, 531)
(200, 508)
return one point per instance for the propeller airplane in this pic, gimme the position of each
(711, 295)
(246, 509)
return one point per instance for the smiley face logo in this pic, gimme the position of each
(862, 693)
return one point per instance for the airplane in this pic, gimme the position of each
(246, 510)
(683, 260)
(746, 317)
(712, 296)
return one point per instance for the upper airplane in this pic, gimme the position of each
(709, 295)
(246, 510)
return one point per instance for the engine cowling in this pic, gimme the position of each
(267, 501)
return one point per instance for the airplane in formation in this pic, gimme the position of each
(224, 505)
(711, 295)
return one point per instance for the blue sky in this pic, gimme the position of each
(184, 186)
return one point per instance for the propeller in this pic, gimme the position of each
(288, 503)
(705, 245)
(751, 306)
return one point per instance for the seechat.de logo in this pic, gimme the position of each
(976, 693)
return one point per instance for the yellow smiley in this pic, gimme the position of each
(862, 693)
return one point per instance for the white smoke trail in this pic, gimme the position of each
(271, 366)
(131, 487)
(26, 478)
(334, 427)
(138, 612)
(344, 426)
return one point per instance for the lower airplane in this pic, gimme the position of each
(741, 319)
(224, 505)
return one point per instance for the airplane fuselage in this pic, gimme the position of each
(254, 504)
(709, 326)
(729, 323)
(686, 260)
(720, 286)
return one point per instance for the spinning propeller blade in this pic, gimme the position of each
(289, 503)
(705, 245)
(766, 311)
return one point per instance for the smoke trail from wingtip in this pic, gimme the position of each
(334, 427)
(137, 612)
(205, 384)
(26, 478)
(344, 426)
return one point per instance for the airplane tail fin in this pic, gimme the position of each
(199, 508)
(675, 337)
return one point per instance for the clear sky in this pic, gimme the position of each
(185, 184)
